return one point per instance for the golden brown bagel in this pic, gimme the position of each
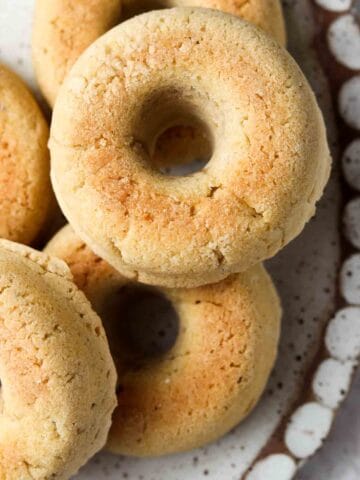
(270, 158)
(25, 191)
(212, 376)
(63, 29)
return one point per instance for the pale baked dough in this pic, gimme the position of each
(25, 191)
(209, 380)
(270, 158)
(57, 375)
(266, 14)
(63, 29)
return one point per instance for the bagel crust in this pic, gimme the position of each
(57, 375)
(265, 14)
(25, 191)
(63, 29)
(213, 375)
(270, 158)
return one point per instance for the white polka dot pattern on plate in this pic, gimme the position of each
(352, 223)
(349, 102)
(307, 429)
(273, 467)
(332, 381)
(310, 424)
(344, 41)
(342, 338)
(335, 5)
(351, 164)
(350, 279)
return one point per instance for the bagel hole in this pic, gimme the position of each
(141, 324)
(171, 129)
(182, 150)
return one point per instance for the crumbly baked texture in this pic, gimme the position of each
(209, 380)
(269, 165)
(25, 191)
(63, 29)
(57, 375)
(266, 14)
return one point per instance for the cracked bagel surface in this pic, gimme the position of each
(211, 377)
(270, 159)
(57, 375)
(25, 190)
(63, 29)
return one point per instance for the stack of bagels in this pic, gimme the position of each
(139, 87)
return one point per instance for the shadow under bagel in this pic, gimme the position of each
(141, 324)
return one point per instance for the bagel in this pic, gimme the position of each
(270, 158)
(265, 14)
(63, 29)
(57, 376)
(216, 369)
(25, 190)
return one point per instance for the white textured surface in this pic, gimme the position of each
(351, 164)
(349, 102)
(307, 429)
(14, 36)
(351, 222)
(343, 334)
(344, 41)
(274, 467)
(350, 279)
(331, 382)
(339, 459)
(335, 5)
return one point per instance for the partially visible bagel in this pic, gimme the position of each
(57, 375)
(25, 190)
(63, 29)
(210, 378)
(270, 158)
(265, 14)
